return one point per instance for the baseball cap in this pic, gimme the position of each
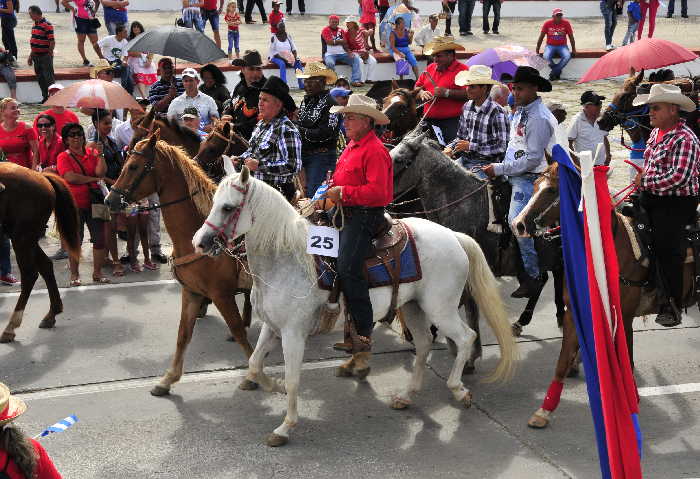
(190, 72)
(56, 86)
(557, 11)
(338, 91)
(190, 112)
(590, 98)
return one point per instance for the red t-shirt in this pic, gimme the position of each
(556, 32)
(274, 18)
(66, 162)
(62, 119)
(44, 466)
(443, 107)
(48, 155)
(366, 173)
(15, 144)
(211, 5)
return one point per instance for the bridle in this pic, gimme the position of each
(147, 168)
(232, 220)
(232, 139)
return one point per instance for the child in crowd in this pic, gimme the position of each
(343, 82)
(634, 15)
(275, 16)
(233, 19)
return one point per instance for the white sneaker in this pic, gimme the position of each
(610, 47)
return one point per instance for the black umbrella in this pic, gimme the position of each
(178, 42)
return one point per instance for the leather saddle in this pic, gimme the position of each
(389, 234)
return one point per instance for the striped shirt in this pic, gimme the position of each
(672, 165)
(486, 129)
(160, 89)
(42, 37)
(277, 147)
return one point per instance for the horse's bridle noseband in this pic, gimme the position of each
(232, 220)
(147, 168)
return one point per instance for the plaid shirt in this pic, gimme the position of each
(486, 129)
(672, 166)
(277, 147)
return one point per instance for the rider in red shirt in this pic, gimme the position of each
(363, 184)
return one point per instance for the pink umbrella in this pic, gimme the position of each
(645, 54)
(94, 94)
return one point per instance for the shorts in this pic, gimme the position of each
(84, 26)
(9, 75)
(212, 16)
(95, 227)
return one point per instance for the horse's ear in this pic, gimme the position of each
(633, 72)
(228, 164)
(153, 139)
(147, 120)
(640, 78)
(394, 84)
(245, 175)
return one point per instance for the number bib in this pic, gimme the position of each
(323, 241)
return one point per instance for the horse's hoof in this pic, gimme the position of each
(517, 329)
(47, 323)
(539, 420)
(362, 374)
(160, 391)
(399, 403)
(343, 372)
(467, 400)
(469, 369)
(7, 337)
(275, 440)
(248, 385)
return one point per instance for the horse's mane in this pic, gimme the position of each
(451, 174)
(277, 226)
(194, 177)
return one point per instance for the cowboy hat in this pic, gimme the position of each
(318, 69)
(250, 58)
(440, 44)
(100, 66)
(589, 97)
(11, 407)
(476, 75)
(363, 105)
(532, 76)
(665, 93)
(276, 87)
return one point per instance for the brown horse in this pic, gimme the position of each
(223, 140)
(400, 107)
(26, 203)
(170, 131)
(542, 213)
(186, 194)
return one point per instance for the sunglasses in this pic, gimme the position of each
(44, 125)
(75, 134)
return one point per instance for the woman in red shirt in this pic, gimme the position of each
(82, 167)
(20, 456)
(17, 139)
(50, 144)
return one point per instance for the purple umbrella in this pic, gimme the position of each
(506, 59)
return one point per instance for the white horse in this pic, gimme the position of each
(286, 297)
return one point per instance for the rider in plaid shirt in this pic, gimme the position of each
(672, 165)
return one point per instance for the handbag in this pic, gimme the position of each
(95, 23)
(402, 67)
(98, 209)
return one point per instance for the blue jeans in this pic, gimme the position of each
(466, 10)
(233, 39)
(352, 60)
(631, 34)
(610, 21)
(523, 187)
(283, 70)
(316, 166)
(5, 263)
(410, 58)
(212, 16)
(125, 74)
(474, 166)
(553, 51)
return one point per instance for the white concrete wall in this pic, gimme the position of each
(542, 8)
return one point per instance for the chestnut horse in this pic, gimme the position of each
(541, 214)
(185, 194)
(27, 199)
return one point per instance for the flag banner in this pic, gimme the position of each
(60, 426)
(595, 301)
(320, 192)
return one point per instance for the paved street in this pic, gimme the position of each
(112, 343)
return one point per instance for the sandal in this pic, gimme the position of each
(150, 266)
(136, 268)
(118, 269)
(356, 83)
(75, 282)
(100, 280)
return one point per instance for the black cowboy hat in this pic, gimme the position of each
(590, 98)
(279, 89)
(532, 76)
(250, 58)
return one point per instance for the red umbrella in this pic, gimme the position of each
(94, 94)
(646, 54)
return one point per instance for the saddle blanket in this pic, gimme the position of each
(375, 270)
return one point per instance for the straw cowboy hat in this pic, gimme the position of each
(665, 93)
(11, 407)
(318, 69)
(100, 65)
(476, 75)
(363, 105)
(440, 44)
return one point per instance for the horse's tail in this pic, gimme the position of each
(66, 213)
(484, 288)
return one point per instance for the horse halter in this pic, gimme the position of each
(232, 220)
(147, 168)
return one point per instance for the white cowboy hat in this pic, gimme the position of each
(11, 407)
(665, 93)
(476, 75)
(363, 105)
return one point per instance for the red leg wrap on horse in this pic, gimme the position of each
(551, 400)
